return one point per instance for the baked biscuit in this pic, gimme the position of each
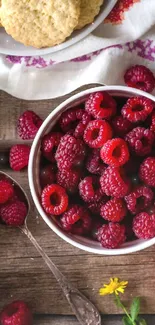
(89, 9)
(40, 23)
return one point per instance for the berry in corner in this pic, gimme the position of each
(140, 77)
(16, 313)
(54, 199)
(19, 156)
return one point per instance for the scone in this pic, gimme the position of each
(0, 16)
(40, 23)
(89, 9)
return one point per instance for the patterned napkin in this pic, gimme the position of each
(127, 37)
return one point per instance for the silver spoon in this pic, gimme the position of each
(85, 311)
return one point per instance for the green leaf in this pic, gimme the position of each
(142, 321)
(135, 308)
(126, 321)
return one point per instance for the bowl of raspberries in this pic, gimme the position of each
(92, 170)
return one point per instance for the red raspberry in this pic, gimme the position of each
(147, 171)
(6, 191)
(97, 133)
(140, 77)
(54, 199)
(70, 152)
(152, 126)
(16, 313)
(69, 179)
(95, 206)
(111, 235)
(94, 163)
(121, 125)
(137, 109)
(14, 213)
(144, 225)
(76, 220)
(28, 125)
(114, 210)
(72, 117)
(139, 199)
(114, 183)
(49, 145)
(101, 105)
(47, 175)
(140, 140)
(90, 190)
(115, 152)
(19, 156)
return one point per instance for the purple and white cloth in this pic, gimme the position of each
(126, 38)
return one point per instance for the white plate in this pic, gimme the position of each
(9, 46)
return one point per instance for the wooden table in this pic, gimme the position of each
(23, 274)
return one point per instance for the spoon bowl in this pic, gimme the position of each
(85, 311)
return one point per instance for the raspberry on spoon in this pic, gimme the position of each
(6, 191)
(14, 213)
(16, 313)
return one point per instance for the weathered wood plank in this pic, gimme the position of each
(23, 274)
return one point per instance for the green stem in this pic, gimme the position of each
(120, 304)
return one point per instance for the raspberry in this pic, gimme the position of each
(6, 191)
(14, 213)
(54, 199)
(95, 206)
(49, 145)
(111, 235)
(16, 313)
(144, 225)
(115, 152)
(76, 220)
(147, 171)
(114, 210)
(70, 152)
(47, 175)
(121, 125)
(28, 125)
(139, 199)
(97, 133)
(140, 140)
(71, 117)
(137, 109)
(69, 179)
(90, 190)
(114, 183)
(19, 156)
(101, 105)
(152, 126)
(94, 163)
(140, 77)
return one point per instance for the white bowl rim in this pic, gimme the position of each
(73, 39)
(139, 245)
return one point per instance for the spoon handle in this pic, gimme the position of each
(85, 311)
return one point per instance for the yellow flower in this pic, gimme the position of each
(113, 287)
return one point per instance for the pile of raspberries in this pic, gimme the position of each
(97, 170)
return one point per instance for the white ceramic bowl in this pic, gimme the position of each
(33, 173)
(9, 46)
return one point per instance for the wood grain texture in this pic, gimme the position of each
(23, 274)
(65, 320)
